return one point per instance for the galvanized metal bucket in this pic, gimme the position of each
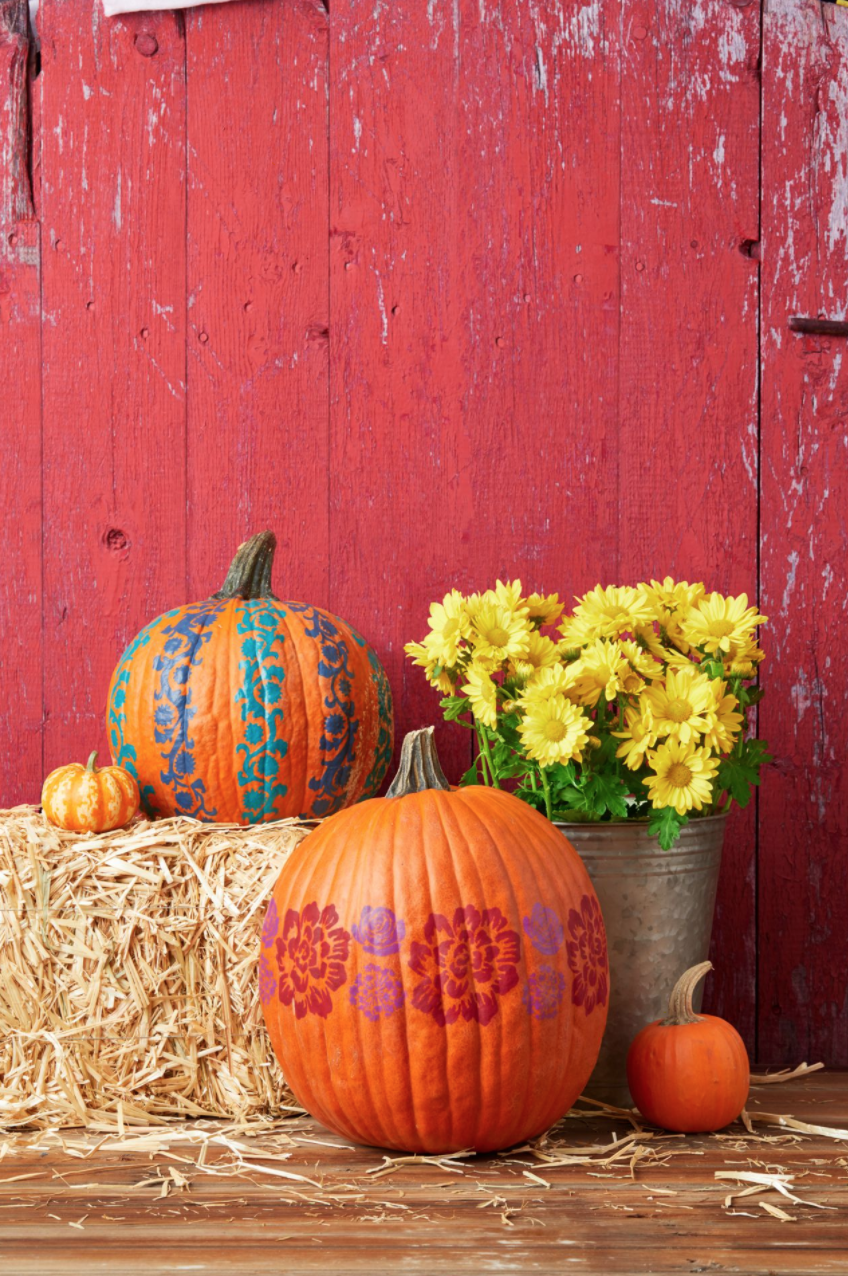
(658, 911)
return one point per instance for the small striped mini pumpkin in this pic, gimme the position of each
(89, 799)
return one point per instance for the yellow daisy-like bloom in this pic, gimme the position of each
(682, 776)
(499, 634)
(508, 594)
(543, 609)
(550, 681)
(601, 670)
(606, 613)
(643, 666)
(723, 722)
(421, 655)
(482, 695)
(719, 624)
(448, 626)
(669, 596)
(541, 654)
(554, 730)
(744, 663)
(638, 738)
(680, 706)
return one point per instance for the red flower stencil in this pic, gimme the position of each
(311, 952)
(587, 955)
(464, 965)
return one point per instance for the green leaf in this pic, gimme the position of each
(454, 707)
(737, 775)
(665, 824)
(471, 775)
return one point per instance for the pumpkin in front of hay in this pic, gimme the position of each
(242, 708)
(689, 1072)
(433, 967)
(89, 799)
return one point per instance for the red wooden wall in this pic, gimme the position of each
(441, 292)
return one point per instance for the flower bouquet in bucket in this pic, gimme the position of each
(634, 706)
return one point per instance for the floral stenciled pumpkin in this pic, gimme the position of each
(243, 708)
(89, 799)
(433, 967)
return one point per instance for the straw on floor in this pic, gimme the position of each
(128, 960)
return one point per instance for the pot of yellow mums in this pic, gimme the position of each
(626, 722)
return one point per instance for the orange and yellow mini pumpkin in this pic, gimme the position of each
(89, 799)
(433, 967)
(243, 708)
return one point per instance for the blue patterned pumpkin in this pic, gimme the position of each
(243, 708)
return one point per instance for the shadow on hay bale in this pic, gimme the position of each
(128, 971)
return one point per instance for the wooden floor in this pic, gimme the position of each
(204, 1197)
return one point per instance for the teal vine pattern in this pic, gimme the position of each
(125, 754)
(260, 695)
(386, 734)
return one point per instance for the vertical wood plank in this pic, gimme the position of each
(688, 399)
(114, 349)
(803, 903)
(257, 291)
(20, 432)
(474, 212)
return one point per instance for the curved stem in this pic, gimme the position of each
(250, 571)
(419, 767)
(549, 810)
(487, 753)
(89, 766)
(680, 1002)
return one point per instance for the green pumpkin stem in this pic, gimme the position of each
(680, 1009)
(250, 571)
(89, 766)
(419, 767)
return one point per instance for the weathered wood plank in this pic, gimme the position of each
(474, 310)
(803, 810)
(257, 290)
(113, 133)
(688, 394)
(20, 425)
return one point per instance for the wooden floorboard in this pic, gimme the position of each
(302, 1201)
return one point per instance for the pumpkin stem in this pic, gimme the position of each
(680, 1002)
(419, 766)
(89, 766)
(250, 571)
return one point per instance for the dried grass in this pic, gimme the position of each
(129, 992)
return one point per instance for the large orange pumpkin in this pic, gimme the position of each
(243, 708)
(433, 968)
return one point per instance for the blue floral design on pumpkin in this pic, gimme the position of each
(543, 992)
(544, 930)
(271, 925)
(267, 981)
(262, 674)
(379, 931)
(124, 753)
(377, 992)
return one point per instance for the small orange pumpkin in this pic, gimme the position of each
(89, 799)
(689, 1073)
(433, 969)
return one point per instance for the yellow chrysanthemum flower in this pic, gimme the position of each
(719, 624)
(448, 626)
(638, 738)
(643, 666)
(601, 670)
(744, 663)
(508, 594)
(682, 776)
(541, 654)
(606, 613)
(543, 609)
(669, 596)
(679, 707)
(499, 634)
(482, 695)
(554, 730)
(550, 681)
(421, 655)
(723, 722)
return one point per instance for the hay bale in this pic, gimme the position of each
(128, 959)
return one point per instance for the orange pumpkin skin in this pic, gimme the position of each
(89, 799)
(243, 708)
(433, 972)
(690, 1077)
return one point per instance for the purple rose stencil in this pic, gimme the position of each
(379, 931)
(544, 930)
(271, 926)
(543, 993)
(267, 981)
(376, 992)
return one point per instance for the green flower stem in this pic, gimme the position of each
(487, 754)
(549, 810)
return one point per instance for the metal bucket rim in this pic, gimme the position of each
(640, 823)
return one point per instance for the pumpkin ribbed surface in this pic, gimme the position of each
(433, 972)
(83, 799)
